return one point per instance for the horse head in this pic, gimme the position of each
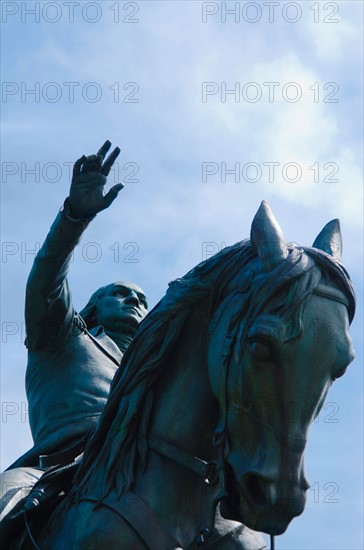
(277, 341)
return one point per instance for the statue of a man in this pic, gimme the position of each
(72, 358)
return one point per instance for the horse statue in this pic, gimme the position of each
(213, 402)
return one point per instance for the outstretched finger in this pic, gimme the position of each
(92, 163)
(106, 167)
(77, 166)
(104, 149)
(112, 194)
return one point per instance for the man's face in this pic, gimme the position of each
(122, 308)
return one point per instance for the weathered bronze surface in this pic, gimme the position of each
(214, 399)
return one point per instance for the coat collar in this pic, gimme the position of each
(108, 345)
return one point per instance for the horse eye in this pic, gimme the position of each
(260, 350)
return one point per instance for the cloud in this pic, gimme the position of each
(332, 33)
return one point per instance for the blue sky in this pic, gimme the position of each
(154, 77)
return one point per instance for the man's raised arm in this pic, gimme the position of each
(48, 308)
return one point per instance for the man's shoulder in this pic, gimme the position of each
(54, 336)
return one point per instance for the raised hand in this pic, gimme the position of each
(90, 173)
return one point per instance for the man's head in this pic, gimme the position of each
(118, 307)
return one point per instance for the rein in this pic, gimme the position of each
(141, 518)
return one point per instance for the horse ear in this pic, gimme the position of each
(330, 240)
(267, 237)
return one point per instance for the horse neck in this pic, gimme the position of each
(185, 414)
(185, 410)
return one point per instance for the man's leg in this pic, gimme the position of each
(16, 484)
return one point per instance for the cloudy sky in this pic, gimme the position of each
(216, 106)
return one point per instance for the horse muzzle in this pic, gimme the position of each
(264, 503)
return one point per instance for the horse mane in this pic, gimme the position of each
(119, 440)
